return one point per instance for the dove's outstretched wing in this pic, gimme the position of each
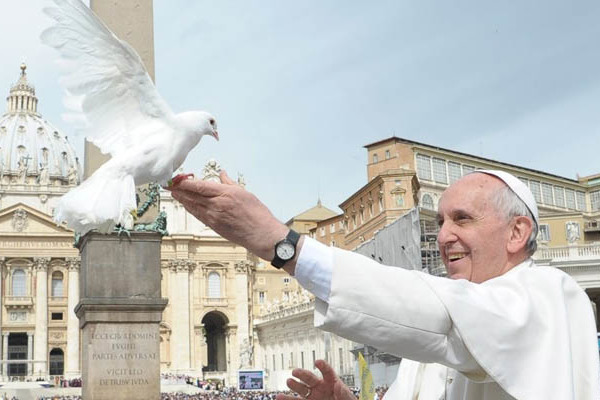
(106, 84)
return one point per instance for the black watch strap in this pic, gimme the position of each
(292, 238)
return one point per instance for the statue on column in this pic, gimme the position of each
(211, 171)
(246, 354)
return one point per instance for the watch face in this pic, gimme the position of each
(285, 251)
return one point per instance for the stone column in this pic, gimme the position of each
(244, 341)
(5, 353)
(29, 353)
(40, 354)
(72, 366)
(119, 313)
(180, 312)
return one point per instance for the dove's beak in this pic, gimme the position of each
(216, 135)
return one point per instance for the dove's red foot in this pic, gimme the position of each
(179, 178)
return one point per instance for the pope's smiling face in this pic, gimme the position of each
(473, 235)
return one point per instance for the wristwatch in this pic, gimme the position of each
(285, 249)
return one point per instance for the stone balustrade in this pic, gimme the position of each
(564, 253)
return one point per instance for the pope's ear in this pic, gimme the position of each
(521, 228)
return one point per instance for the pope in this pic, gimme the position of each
(504, 327)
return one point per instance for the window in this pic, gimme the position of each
(301, 359)
(559, 196)
(57, 362)
(291, 360)
(261, 297)
(375, 158)
(439, 170)
(57, 284)
(423, 167)
(387, 154)
(214, 285)
(362, 216)
(314, 359)
(18, 283)
(535, 189)
(332, 228)
(286, 281)
(427, 202)
(322, 231)
(595, 200)
(282, 364)
(57, 316)
(581, 206)
(570, 196)
(341, 359)
(547, 194)
(274, 365)
(370, 209)
(544, 233)
(454, 171)
(467, 169)
(332, 244)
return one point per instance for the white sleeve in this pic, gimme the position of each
(313, 268)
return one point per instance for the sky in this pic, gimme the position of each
(299, 87)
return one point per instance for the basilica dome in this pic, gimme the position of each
(32, 150)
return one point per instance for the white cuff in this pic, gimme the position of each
(314, 268)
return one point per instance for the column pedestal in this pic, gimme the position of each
(119, 314)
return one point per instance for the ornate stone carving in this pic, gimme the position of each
(211, 171)
(41, 263)
(73, 263)
(573, 231)
(19, 220)
(17, 316)
(243, 267)
(240, 180)
(246, 351)
(182, 265)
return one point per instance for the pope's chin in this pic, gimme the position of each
(458, 269)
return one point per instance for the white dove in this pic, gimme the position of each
(110, 91)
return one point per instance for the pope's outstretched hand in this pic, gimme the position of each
(311, 387)
(232, 212)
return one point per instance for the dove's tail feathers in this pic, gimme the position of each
(100, 202)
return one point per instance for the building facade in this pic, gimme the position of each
(216, 289)
(418, 173)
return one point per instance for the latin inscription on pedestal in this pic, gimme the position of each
(123, 361)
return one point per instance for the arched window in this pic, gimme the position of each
(427, 202)
(57, 284)
(18, 283)
(57, 362)
(214, 285)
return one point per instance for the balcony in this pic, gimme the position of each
(18, 301)
(569, 253)
(592, 226)
(215, 301)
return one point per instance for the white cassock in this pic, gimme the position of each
(529, 334)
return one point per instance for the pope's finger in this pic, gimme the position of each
(188, 197)
(301, 388)
(225, 178)
(203, 188)
(306, 376)
(326, 370)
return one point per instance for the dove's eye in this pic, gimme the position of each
(212, 121)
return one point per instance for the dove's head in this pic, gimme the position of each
(201, 123)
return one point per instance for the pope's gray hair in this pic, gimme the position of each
(510, 205)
